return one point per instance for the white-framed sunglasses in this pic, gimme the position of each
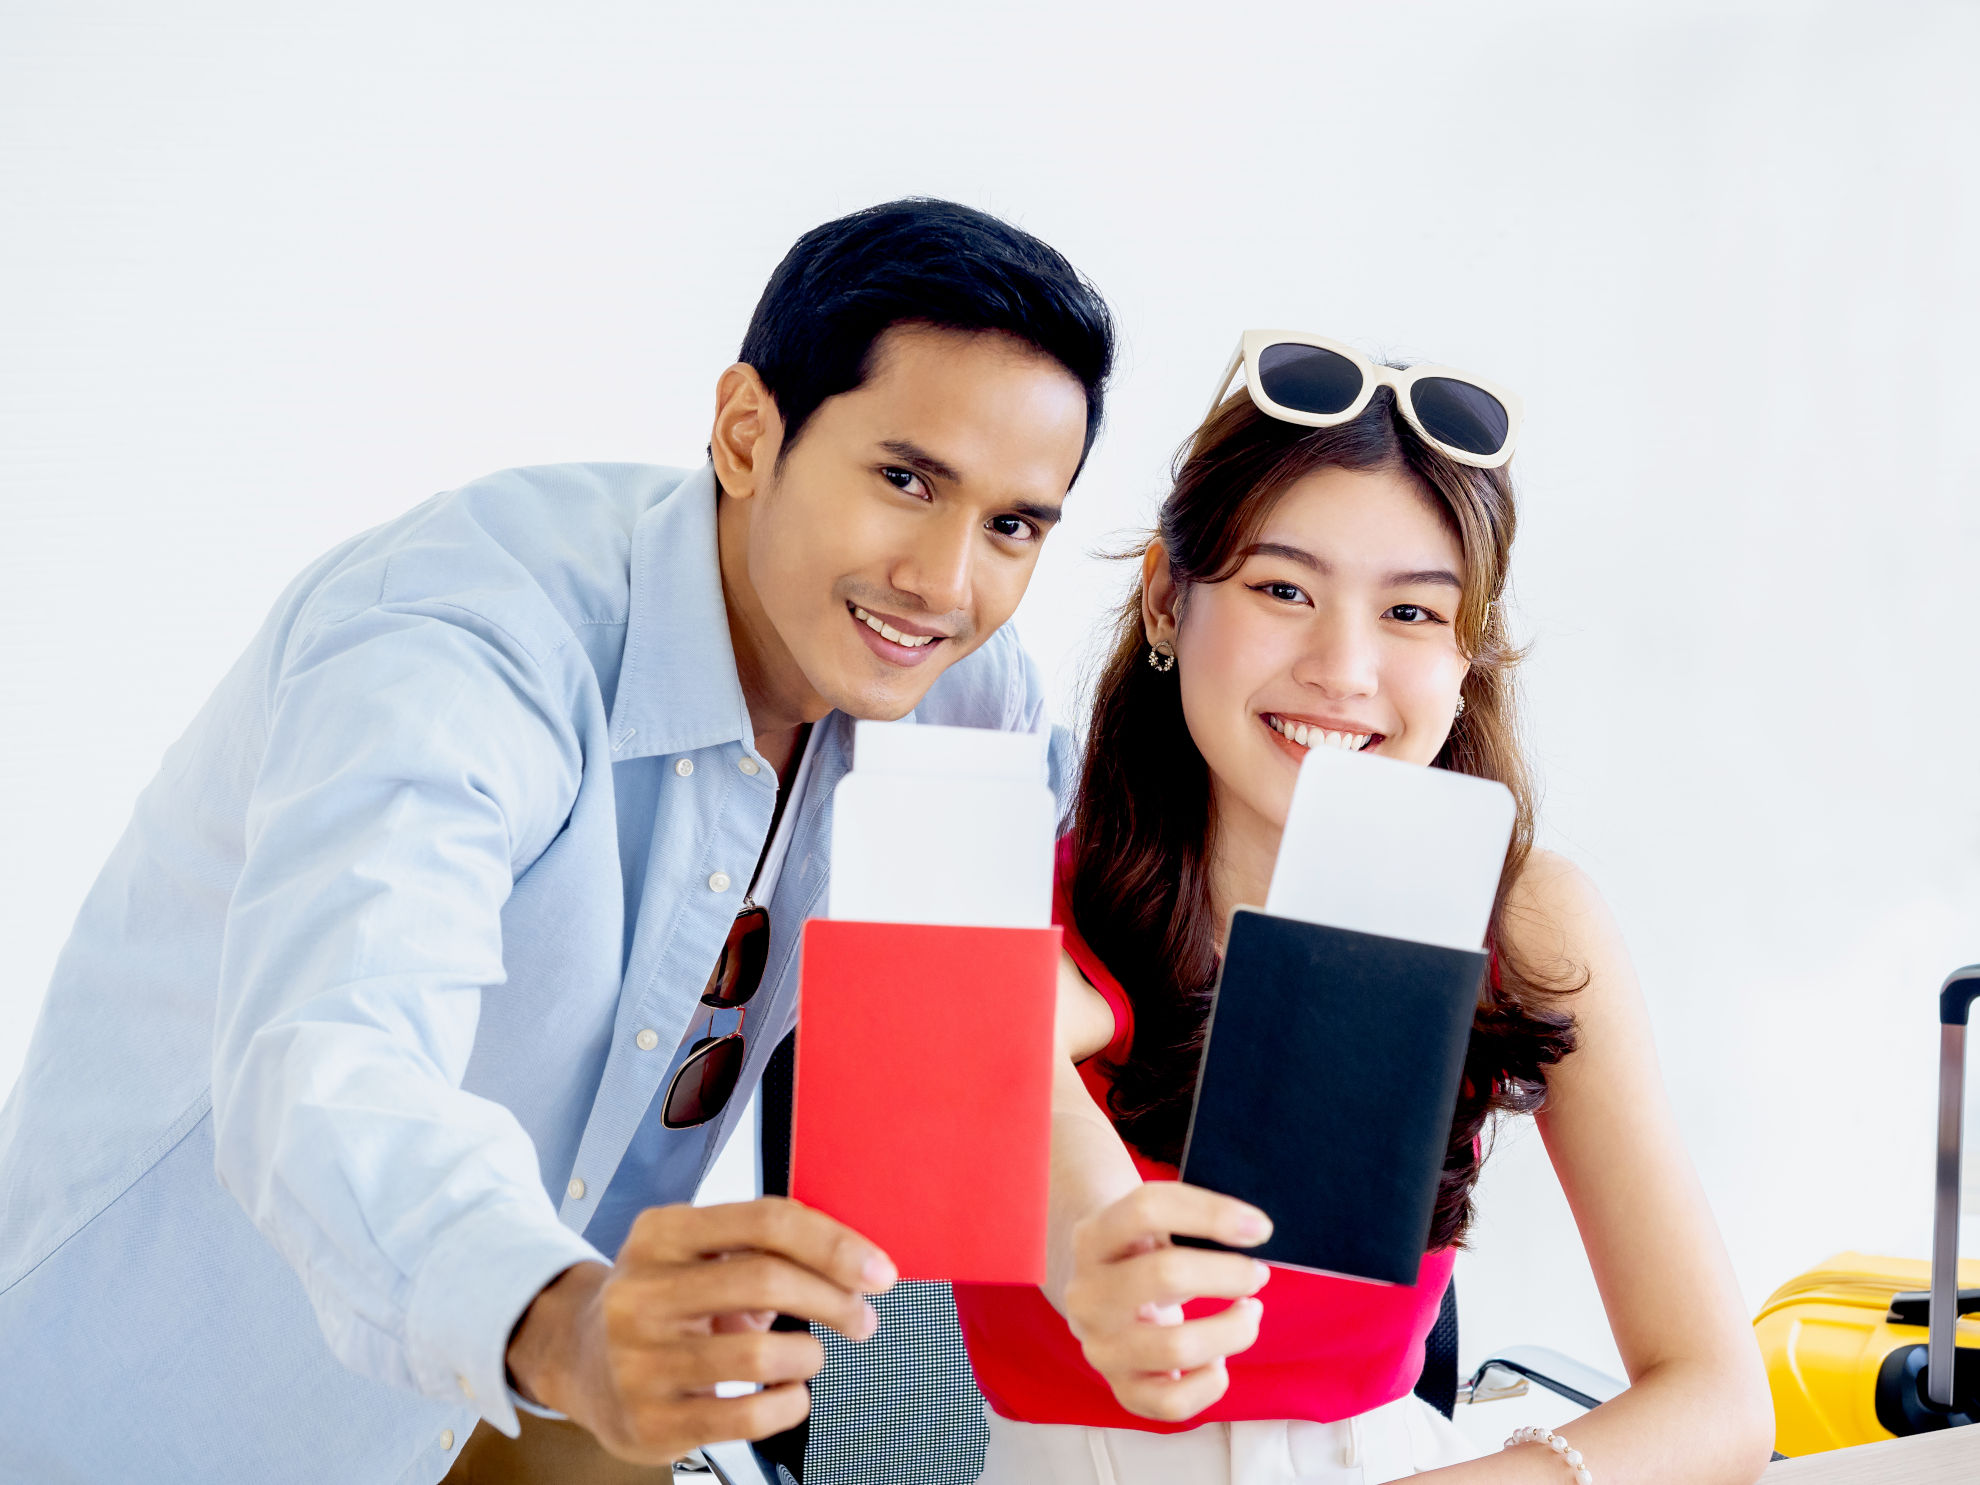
(1309, 379)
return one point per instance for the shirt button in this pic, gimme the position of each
(446, 1438)
(462, 1382)
(683, 766)
(576, 1189)
(719, 882)
(647, 1040)
(748, 765)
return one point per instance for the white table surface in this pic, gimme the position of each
(1926, 1459)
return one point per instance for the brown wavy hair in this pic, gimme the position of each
(1141, 821)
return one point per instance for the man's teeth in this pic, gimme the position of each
(888, 631)
(1311, 737)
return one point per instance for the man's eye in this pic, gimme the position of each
(1017, 528)
(905, 480)
(1413, 613)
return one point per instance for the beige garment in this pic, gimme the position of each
(1392, 1442)
(548, 1452)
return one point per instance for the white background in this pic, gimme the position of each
(270, 274)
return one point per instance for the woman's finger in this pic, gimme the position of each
(1161, 1210)
(1172, 1350)
(1172, 1399)
(1140, 1287)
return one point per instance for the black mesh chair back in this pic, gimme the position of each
(899, 1409)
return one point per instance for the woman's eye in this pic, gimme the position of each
(904, 480)
(1284, 592)
(1413, 613)
(1017, 528)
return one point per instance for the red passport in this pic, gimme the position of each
(923, 1092)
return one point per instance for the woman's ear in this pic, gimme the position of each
(1160, 597)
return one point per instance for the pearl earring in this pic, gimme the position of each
(1162, 657)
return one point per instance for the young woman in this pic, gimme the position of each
(1325, 573)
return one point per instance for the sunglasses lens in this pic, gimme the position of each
(740, 969)
(1461, 415)
(1307, 379)
(701, 1088)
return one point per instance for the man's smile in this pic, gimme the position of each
(895, 640)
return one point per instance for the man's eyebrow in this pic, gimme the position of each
(915, 457)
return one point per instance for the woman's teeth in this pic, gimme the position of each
(888, 631)
(1315, 737)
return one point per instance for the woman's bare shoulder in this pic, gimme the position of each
(1555, 914)
(1085, 1020)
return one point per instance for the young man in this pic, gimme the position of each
(436, 935)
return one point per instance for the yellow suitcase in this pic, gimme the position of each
(1863, 1348)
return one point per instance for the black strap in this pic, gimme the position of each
(786, 1449)
(776, 1110)
(1438, 1384)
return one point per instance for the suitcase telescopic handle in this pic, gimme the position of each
(1956, 997)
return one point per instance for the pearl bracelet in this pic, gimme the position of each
(1570, 1456)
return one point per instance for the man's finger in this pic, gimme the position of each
(770, 1224)
(742, 1320)
(662, 1430)
(711, 1419)
(1163, 1209)
(650, 1306)
(755, 1416)
(692, 1365)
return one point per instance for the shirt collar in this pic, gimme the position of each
(678, 689)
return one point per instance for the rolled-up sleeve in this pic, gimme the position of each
(416, 762)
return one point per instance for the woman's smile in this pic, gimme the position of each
(1296, 735)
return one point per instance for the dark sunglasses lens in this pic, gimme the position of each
(740, 969)
(1461, 415)
(701, 1088)
(1308, 379)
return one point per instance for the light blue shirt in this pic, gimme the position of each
(379, 950)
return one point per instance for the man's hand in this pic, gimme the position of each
(633, 1352)
(1129, 1283)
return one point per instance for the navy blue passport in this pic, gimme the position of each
(1330, 1075)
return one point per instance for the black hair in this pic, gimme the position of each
(925, 262)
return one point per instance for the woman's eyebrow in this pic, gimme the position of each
(1440, 576)
(1291, 554)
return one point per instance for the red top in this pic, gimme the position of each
(1327, 1348)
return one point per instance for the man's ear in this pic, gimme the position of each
(748, 432)
(1161, 599)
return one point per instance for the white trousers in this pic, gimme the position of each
(1392, 1442)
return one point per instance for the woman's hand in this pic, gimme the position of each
(1129, 1283)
